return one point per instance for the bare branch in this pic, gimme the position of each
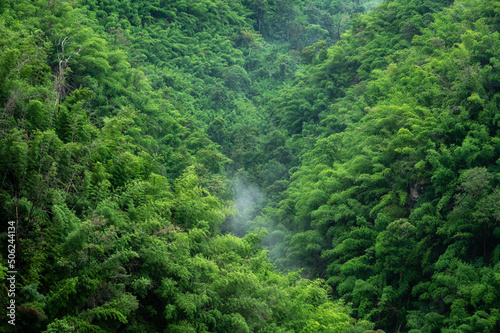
(60, 42)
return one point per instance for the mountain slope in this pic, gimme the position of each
(394, 200)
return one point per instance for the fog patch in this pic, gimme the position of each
(248, 202)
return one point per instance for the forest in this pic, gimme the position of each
(269, 166)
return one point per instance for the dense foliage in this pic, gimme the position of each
(395, 201)
(115, 117)
(251, 166)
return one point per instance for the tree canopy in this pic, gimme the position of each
(251, 166)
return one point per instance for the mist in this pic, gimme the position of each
(248, 201)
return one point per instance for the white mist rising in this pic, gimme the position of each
(247, 199)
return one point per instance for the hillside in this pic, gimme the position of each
(250, 166)
(395, 201)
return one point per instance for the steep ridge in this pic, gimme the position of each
(394, 201)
